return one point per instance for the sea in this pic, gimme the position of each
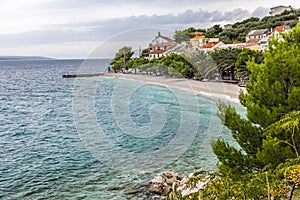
(96, 137)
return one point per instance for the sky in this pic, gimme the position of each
(78, 28)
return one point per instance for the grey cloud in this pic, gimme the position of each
(101, 30)
(260, 12)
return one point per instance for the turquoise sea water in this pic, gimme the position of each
(46, 154)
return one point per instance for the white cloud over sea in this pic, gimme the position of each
(73, 28)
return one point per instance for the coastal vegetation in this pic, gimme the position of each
(266, 162)
(185, 35)
(230, 63)
(121, 58)
(173, 65)
(225, 60)
(239, 30)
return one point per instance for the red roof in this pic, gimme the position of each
(157, 51)
(282, 28)
(209, 45)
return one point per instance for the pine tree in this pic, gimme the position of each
(273, 91)
(121, 58)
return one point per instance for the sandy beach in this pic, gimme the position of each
(214, 90)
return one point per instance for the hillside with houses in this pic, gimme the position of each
(254, 37)
(216, 54)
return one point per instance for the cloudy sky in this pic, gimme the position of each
(75, 28)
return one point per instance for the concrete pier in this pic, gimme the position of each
(81, 75)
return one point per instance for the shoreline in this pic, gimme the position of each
(213, 90)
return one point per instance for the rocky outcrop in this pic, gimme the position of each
(163, 185)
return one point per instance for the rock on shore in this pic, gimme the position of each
(171, 180)
(160, 186)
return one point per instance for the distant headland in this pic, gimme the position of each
(18, 58)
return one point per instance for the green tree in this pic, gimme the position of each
(136, 63)
(213, 31)
(179, 63)
(273, 91)
(186, 34)
(274, 87)
(121, 58)
(282, 140)
(182, 36)
(145, 52)
(225, 60)
(245, 56)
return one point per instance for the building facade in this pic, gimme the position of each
(160, 45)
(279, 9)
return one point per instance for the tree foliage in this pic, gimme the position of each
(177, 65)
(274, 85)
(282, 140)
(145, 52)
(225, 60)
(214, 31)
(269, 138)
(171, 65)
(239, 30)
(186, 34)
(245, 56)
(121, 57)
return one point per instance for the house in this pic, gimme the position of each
(264, 43)
(253, 41)
(210, 46)
(197, 41)
(257, 34)
(281, 29)
(254, 47)
(160, 45)
(232, 46)
(157, 53)
(279, 9)
(213, 40)
(228, 26)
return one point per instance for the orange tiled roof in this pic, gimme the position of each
(209, 45)
(157, 51)
(281, 28)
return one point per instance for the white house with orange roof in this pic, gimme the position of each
(198, 42)
(281, 29)
(264, 43)
(210, 46)
(160, 45)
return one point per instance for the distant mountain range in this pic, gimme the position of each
(15, 58)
